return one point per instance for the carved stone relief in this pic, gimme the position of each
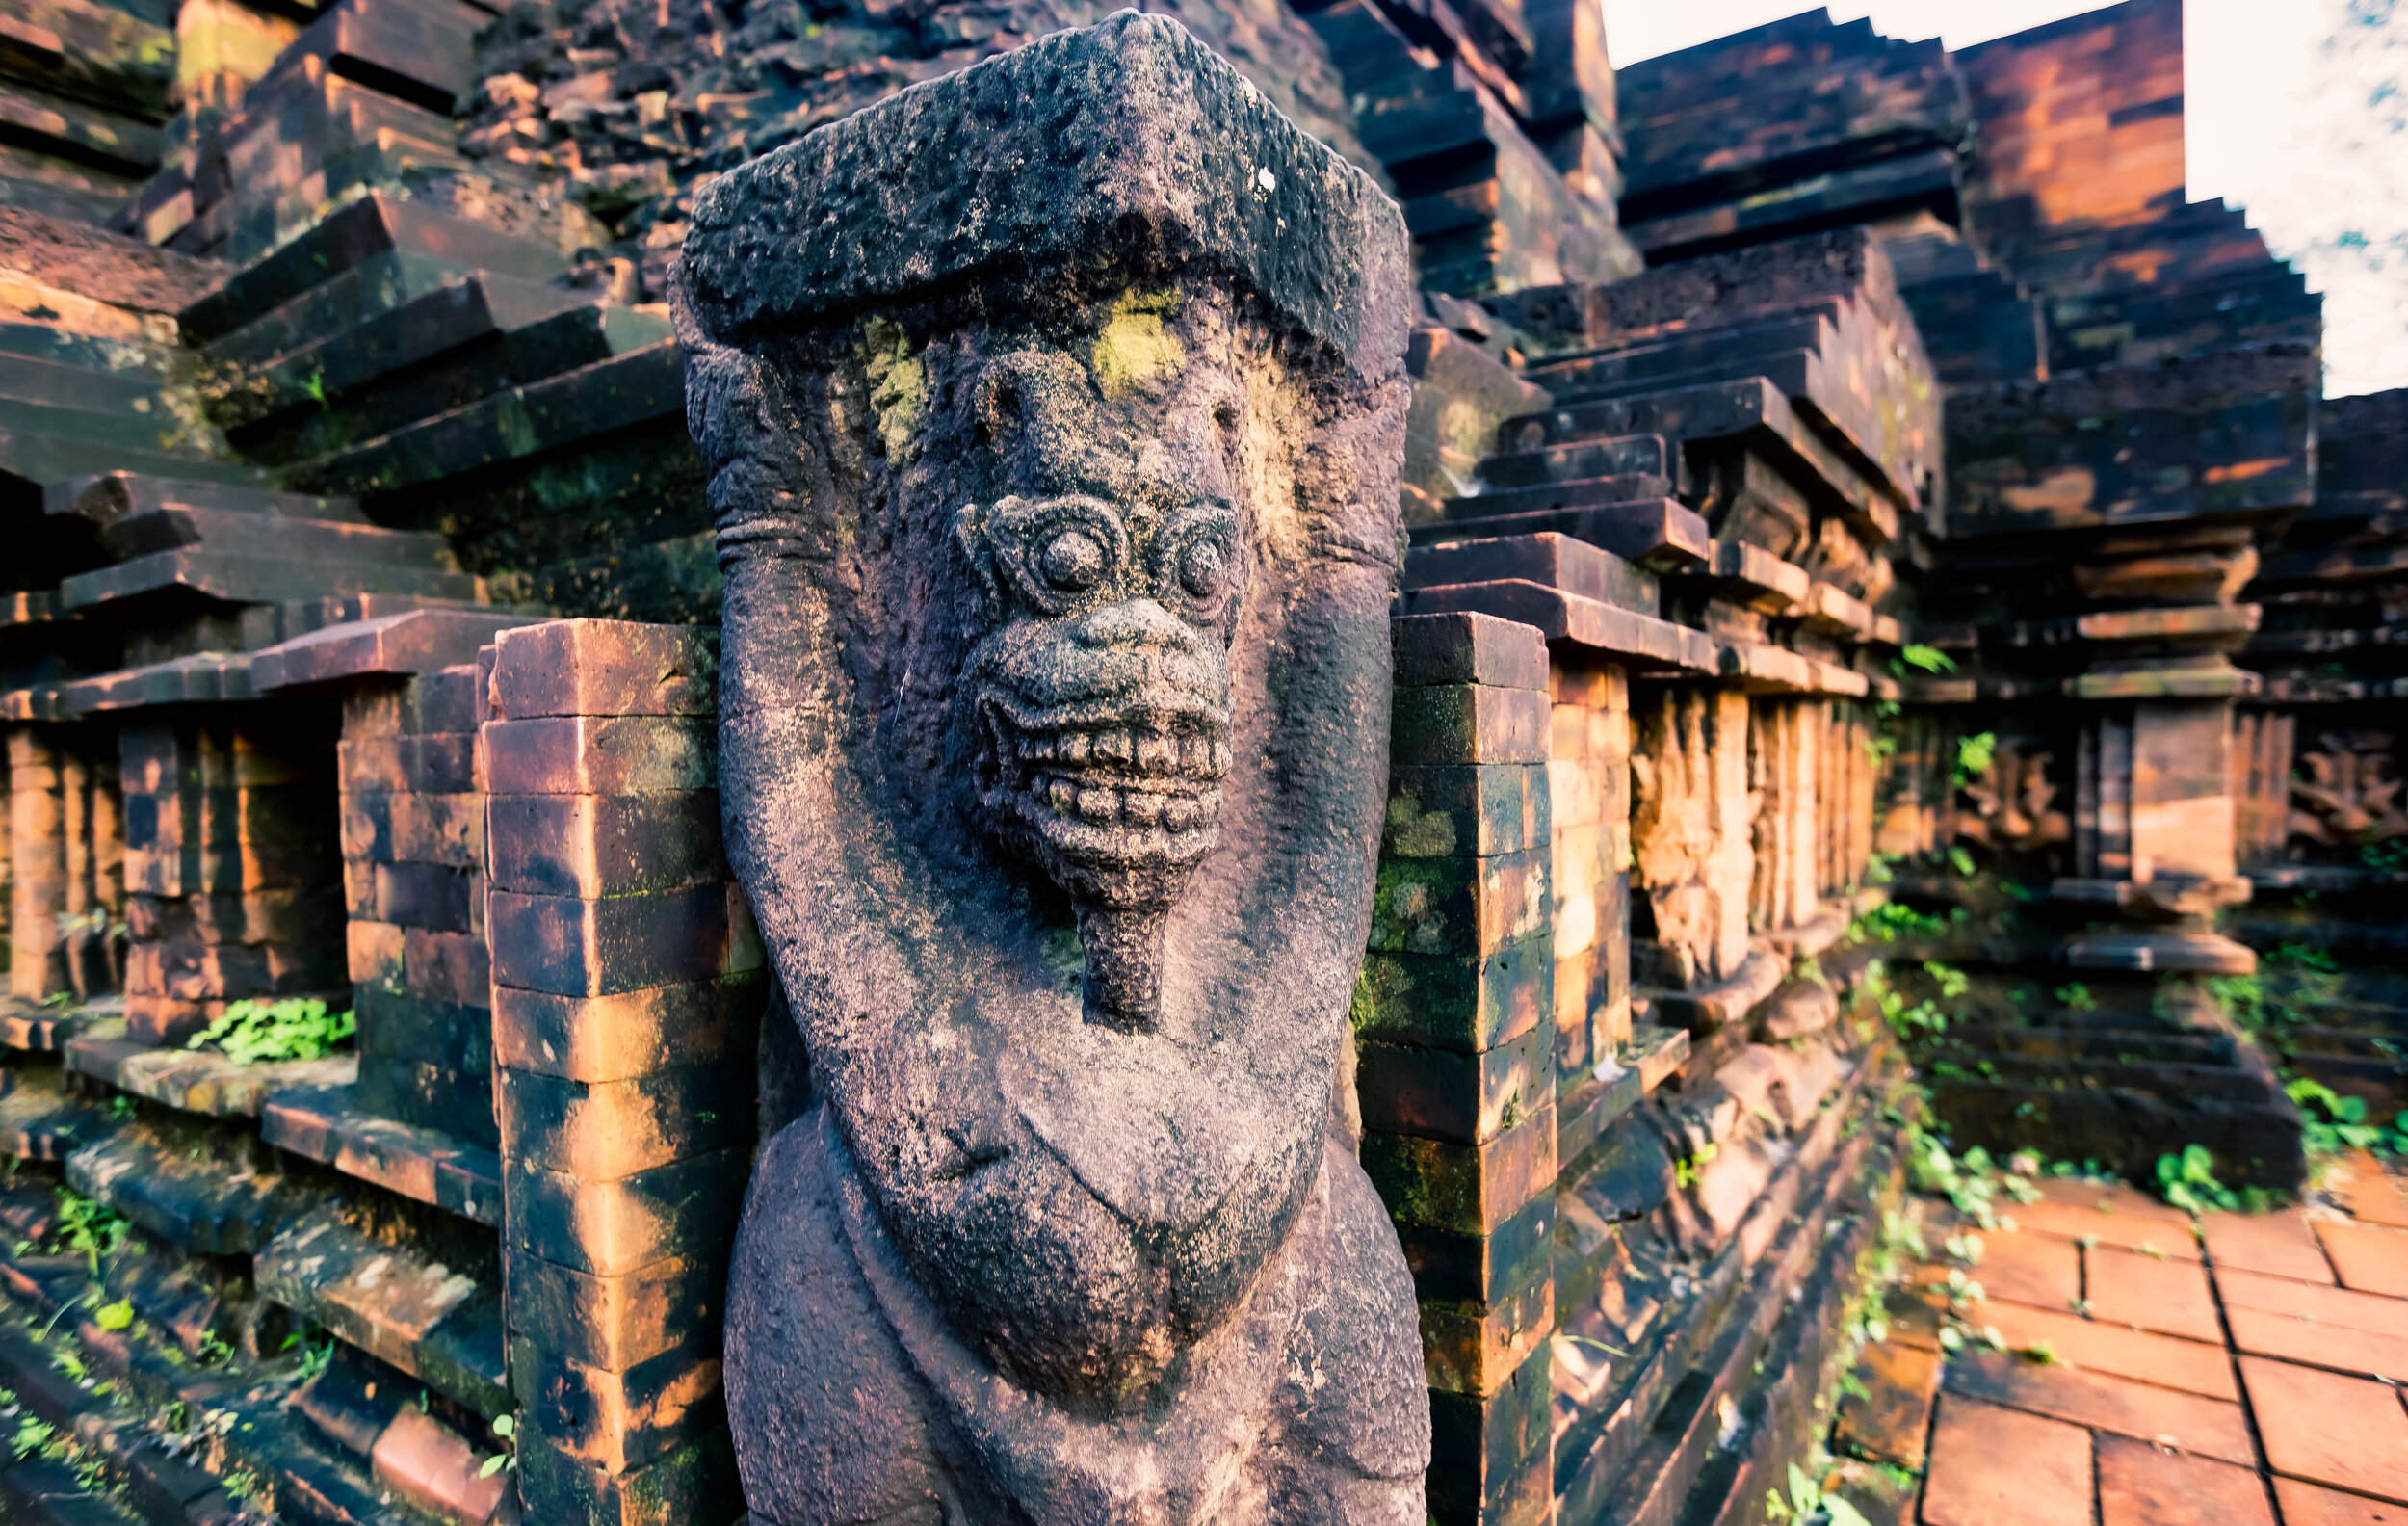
(2346, 791)
(2015, 803)
(1053, 413)
(1691, 834)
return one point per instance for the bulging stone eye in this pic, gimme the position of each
(1203, 569)
(1074, 562)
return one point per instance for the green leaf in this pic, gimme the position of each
(116, 1316)
(1840, 1512)
(492, 1464)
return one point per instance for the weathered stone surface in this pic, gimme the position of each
(1052, 1243)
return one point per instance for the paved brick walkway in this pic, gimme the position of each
(2236, 1371)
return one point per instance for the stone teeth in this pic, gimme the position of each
(1158, 753)
(1220, 757)
(1061, 795)
(1208, 806)
(1113, 747)
(1098, 804)
(1142, 807)
(1178, 813)
(1074, 747)
(1037, 746)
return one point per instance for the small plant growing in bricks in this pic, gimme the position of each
(506, 1428)
(85, 1226)
(261, 1032)
(1807, 1505)
(2343, 1127)
(2188, 1181)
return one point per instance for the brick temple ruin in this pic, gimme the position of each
(1858, 508)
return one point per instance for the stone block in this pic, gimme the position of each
(600, 755)
(1476, 1347)
(630, 1034)
(456, 1035)
(1438, 1093)
(694, 1484)
(687, 1207)
(458, 1102)
(604, 668)
(594, 845)
(424, 895)
(608, 1131)
(436, 828)
(614, 1323)
(1547, 557)
(365, 827)
(1470, 724)
(1467, 1189)
(1460, 905)
(1478, 1443)
(1465, 811)
(1482, 1268)
(443, 763)
(446, 966)
(443, 700)
(1435, 650)
(614, 1421)
(573, 947)
(371, 765)
(1455, 1002)
(434, 1469)
(1461, 1002)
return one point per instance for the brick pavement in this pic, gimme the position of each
(2236, 1370)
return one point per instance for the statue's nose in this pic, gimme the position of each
(1139, 622)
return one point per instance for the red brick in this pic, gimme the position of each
(2141, 1485)
(2328, 1429)
(2210, 1427)
(433, 1467)
(599, 755)
(2279, 1243)
(446, 966)
(2370, 1257)
(1890, 1420)
(2192, 1366)
(1996, 1467)
(1471, 724)
(2112, 1215)
(2334, 1346)
(2305, 1504)
(1468, 649)
(2371, 1194)
(602, 667)
(2326, 1305)
(2029, 1268)
(2167, 1296)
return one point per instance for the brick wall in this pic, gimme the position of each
(413, 846)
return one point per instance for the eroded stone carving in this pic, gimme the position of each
(1052, 412)
(2351, 792)
(2014, 803)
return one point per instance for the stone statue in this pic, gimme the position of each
(1053, 413)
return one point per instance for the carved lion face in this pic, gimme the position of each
(1102, 693)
